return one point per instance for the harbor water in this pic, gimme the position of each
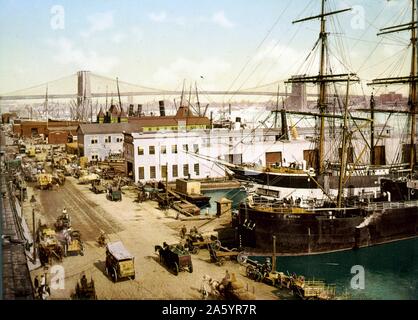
(390, 270)
(236, 195)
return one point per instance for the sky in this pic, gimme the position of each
(221, 45)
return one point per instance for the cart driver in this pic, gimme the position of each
(65, 215)
(83, 281)
(194, 230)
(267, 268)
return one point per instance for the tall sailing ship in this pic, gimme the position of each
(346, 220)
(318, 174)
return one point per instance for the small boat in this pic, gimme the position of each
(190, 190)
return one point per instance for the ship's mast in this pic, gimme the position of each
(322, 79)
(412, 80)
(322, 103)
(372, 148)
(120, 101)
(413, 87)
(343, 149)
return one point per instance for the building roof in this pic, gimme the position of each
(183, 114)
(69, 128)
(101, 113)
(114, 110)
(98, 128)
(51, 123)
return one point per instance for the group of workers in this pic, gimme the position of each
(41, 288)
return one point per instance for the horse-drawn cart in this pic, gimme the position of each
(219, 254)
(175, 257)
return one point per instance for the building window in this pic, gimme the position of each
(164, 172)
(119, 139)
(185, 170)
(152, 172)
(94, 141)
(174, 148)
(108, 139)
(140, 151)
(196, 169)
(175, 171)
(163, 149)
(94, 157)
(196, 148)
(141, 173)
(185, 147)
(151, 149)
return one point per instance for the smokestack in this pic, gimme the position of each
(162, 109)
(131, 110)
(139, 110)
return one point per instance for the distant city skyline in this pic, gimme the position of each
(221, 45)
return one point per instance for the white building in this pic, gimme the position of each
(97, 141)
(148, 154)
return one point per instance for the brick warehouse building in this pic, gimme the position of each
(28, 128)
(62, 135)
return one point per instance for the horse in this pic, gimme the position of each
(213, 286)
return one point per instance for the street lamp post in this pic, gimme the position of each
(33, 204)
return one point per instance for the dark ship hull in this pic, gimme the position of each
(301, 231)
(304, 234)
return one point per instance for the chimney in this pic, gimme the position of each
(139, 111)
(131, 110)
(162, 109)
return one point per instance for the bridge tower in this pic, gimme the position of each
(84, 104)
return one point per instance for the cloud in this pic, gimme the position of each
(211, 69)
(274, 51)
(220, 19)
(68, 54)
(98, 22)
(136, 33)
(118, 37)
(157, 17)
(277, 60)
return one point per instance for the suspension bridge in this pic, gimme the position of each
(87, 85)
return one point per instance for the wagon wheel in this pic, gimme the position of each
(195, 250)
(221, 262)
(216, 245)
(115, 275)
(249, 271)
(242, 258)
(176, 268)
